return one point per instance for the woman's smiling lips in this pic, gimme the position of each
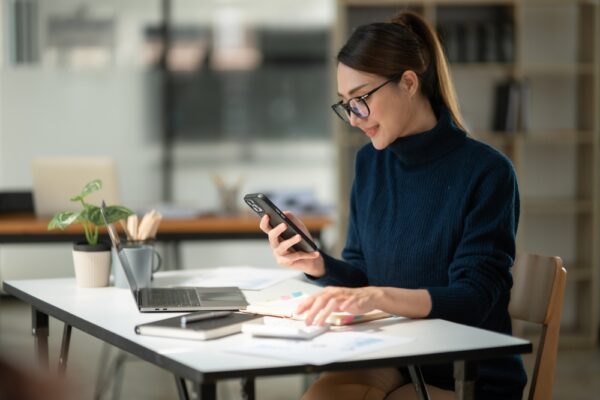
(370, 132)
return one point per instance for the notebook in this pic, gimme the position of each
(174, 298)
(196, 330)
(57, 179)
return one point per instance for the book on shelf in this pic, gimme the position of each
(476, 40)
(525, 106)
(512, 106)
(286, 305)
(505, 41)
(196, 330)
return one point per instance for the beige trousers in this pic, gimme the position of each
(369, 384)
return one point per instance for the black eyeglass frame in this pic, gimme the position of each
(343, 110)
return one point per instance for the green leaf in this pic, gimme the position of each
(89, 188)
(63, 219)
(90, 216)
(113, 214)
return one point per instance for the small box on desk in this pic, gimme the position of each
(16, 202)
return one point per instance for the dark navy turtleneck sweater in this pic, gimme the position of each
(439, 211)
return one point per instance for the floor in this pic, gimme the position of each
(577, 375)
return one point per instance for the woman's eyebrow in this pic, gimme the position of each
(353, 90)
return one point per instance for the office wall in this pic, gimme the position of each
(55, 112)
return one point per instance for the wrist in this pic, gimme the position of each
(378, 297)
(318, 268)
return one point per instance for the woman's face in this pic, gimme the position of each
(390, 106)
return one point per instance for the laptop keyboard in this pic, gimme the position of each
(179, 297)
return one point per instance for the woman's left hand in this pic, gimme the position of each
(318, 306)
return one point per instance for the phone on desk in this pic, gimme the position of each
(283, 328)
(262, 205)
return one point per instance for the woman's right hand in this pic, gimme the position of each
(309, 263)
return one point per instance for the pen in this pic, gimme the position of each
(201, 316)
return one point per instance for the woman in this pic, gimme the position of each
(433, 213)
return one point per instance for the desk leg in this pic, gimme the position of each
(40, 331)
(417, 379)
(64, 350)
(181, 388)
(207, 391)
(248, 392)
(465, 374)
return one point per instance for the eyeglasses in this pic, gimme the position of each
(358, 105)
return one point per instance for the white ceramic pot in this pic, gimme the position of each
(92, 264)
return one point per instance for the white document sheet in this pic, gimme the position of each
(324, 349)
(244, 277)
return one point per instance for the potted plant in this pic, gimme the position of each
(91, 259)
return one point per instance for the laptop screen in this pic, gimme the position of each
(116, 242)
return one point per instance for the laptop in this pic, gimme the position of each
(57, 179)
(176, 299)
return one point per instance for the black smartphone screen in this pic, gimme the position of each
(262, 205)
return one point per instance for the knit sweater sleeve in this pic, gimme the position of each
(479, 273)
(348, 272)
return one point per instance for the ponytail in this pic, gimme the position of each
(436, 78)
(406, 43)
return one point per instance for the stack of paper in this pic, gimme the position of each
(324, 349)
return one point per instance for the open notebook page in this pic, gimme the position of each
(286, 305)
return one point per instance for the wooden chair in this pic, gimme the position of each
(537, 297)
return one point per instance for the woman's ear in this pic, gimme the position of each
(410, 82)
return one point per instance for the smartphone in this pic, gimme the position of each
(283, 328)
(262, 205)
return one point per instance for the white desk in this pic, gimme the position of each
(110, 314)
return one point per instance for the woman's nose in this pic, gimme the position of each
(354, 120)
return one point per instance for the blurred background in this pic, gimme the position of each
(243, 92)
(189, 96)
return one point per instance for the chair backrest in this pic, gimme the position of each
(537, 296)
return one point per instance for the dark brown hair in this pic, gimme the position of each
(406, 43)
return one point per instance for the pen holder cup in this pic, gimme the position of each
(143, 260)
(229, 198)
